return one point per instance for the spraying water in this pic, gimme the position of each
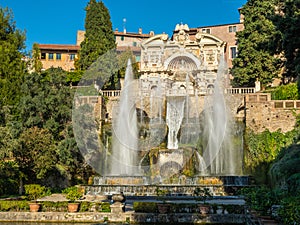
(175, 113)
(217, 153)
(125, 139)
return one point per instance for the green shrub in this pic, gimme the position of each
(289, 212)
(73, 193)
(54, 206)
(105, 207)
(145, 207)
(6, 206)
(34, 191)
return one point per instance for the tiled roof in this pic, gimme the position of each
(59, 47)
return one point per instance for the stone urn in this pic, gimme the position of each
(118, 206)
(118, 197)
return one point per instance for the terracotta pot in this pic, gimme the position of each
(204, 209)
(34, 207)
(163, 208)
(73, 207)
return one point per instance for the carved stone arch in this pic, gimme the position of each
(205, 38)
(162, 37)
(176, 59)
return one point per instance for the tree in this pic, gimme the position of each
(99, 35)
(258, 45)
(12, 67)
(288, 22)
(36, 155)
(46, 101)
(36, 62)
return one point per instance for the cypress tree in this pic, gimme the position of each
(99, 35)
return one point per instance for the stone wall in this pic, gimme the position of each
(263, 113)
(132, 217)
(258, 110)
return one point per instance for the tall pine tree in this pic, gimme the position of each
(258, 45)
(99, 35)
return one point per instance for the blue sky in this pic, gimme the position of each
(57, 21)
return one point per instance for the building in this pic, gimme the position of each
(60, 55)
(55, 55)
(182, 63)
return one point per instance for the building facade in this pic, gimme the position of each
(55, 55)
(60, 55)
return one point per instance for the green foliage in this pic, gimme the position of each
(202, 194)
(145, 207)
(285, 171)
(289, 211)
(14, 206)
(36, 62)
(261, 198)
(73, 193)
(9, 174)
(46, 101)
(285, 92)
(12, 67)
(37, 153)
(105, 207)
(54, 206)
(257, 45)
(35, 191)
(262, 149)
(74, 77)
(287, 21)
(99, 36)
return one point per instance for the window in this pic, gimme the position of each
(233, 52)
(58, 56)
(50, 56)
(232, 29)
(122, 38)
(43, 55)
(206, 30)
(134, 44)
(72, 57)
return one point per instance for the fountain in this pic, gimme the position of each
(172, 129)
(178, 153)
(125, 131)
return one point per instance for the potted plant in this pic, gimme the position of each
(203, 194)
(162, 207)
(33, 192)
(73, 194)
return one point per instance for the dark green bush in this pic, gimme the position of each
(145, 207)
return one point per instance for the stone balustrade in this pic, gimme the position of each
(183, 92)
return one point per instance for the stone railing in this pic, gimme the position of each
(278, 104)
(240, 90)
(286, 104)
(111, 93)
